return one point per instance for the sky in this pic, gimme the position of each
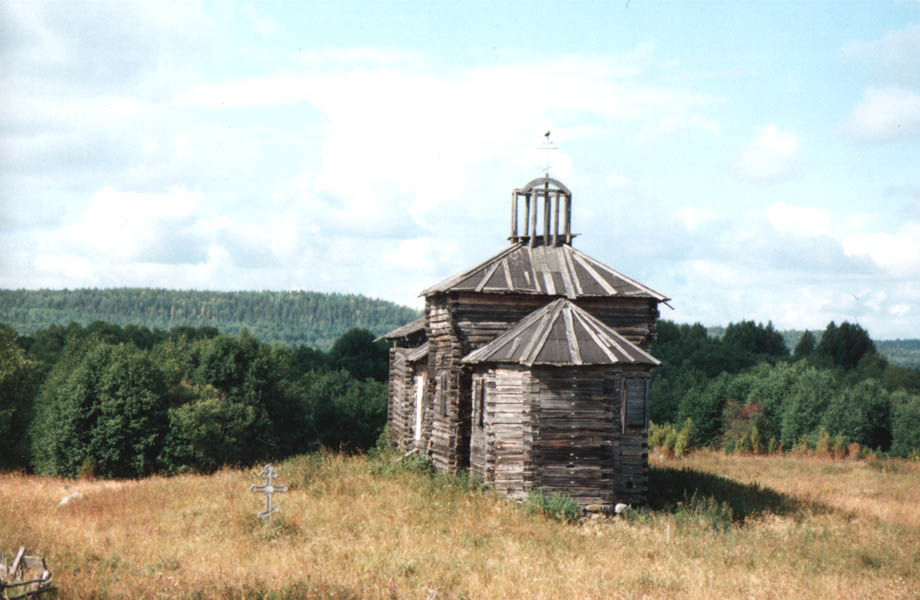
(755, 161)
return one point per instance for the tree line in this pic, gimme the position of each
(129, 401)
(301, 318)
(747, 391)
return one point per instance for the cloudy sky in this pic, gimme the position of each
(749, 160)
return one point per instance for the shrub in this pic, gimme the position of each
(839, 445)
(823, 445)
(772, 447)
(554, 505)
(744, 444)
(801, 445)
(684, 441)
(658, 434)
(756, 444)
(670, 442)
(905, 425)
(211, 432)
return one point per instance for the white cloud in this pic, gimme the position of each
(896, 55)
(885, 113)
(899, 310)
(799, 220)
(137, 227)
(897, 252)
(771, 156)
(695, 216)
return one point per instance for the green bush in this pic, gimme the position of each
(555, 506)
(684, 439)
(905, 425)
(823, 445)
(209, 433)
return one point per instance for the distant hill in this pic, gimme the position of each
(311, 318)
(903, 353)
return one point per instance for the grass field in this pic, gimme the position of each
(351, 527)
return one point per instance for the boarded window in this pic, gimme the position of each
(636, 401)
(479, 402)
(442, 394)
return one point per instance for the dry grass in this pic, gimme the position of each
(346, 532)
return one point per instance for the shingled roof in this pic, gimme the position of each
(561, 334)
(551, 270)
(417, 354)
(404, 331)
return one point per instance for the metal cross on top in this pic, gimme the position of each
(269, 473)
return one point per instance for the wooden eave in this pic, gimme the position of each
(405, 331)
(561, 334)
(545, 270)
(417, 354)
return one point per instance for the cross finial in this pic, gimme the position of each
(547, 147)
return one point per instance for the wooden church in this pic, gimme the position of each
(532, 368)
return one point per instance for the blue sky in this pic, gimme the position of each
(749, 160)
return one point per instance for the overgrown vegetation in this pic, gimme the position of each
(115, 402)
(555, 506)
(300, 318)
(767, 526)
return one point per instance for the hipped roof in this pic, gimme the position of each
(561, 334)
(551, 270)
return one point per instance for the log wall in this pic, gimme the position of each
(448, 447)
(399, 407)
(577, 417)
(631, 445)
(634, 318)
(502, 450)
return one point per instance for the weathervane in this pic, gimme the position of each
(547, 147)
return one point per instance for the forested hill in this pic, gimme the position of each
(311, 318)
(904, 353)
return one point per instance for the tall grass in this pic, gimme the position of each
(355, 527)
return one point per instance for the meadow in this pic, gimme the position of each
(358, 527)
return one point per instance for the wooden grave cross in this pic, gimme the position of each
(269, 473)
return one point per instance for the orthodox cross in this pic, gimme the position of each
(547, 147)
(269, 473)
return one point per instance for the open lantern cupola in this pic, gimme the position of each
(542, 195)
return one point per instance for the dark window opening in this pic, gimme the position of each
(442, 394)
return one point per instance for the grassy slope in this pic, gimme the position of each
(346, 532)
